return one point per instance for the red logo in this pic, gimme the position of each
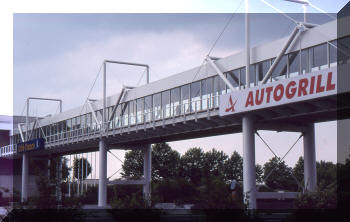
(232, 106)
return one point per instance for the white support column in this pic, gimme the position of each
(147, 172)
(249, 174)
(102, 182)
(59, 179)
(310, 179)
(25, 163)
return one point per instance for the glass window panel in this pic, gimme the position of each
(195, 96)
(304, 61)
(242, 76)
(343, 50)
(207, 93)
(88, 120)
(294, 63)
(74, 123)
(175, 102)
(280, 70)
(219, 89)
(83, 121)
(63, 129)
(125, 114)
(185, 98)
(166, 103)
(157, 103)
(69, 127)
(318, 57)
(78, 122)
(233, 78)
(148, 108)
(139, 107)
(132, 112)
(117, 117)
(99, 119)
(332, 53)
(262, 69)
(252, 75)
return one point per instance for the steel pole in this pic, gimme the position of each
(305, 12)
(27, 120)
(59, 179)
(249, 176)
(147, 70)
(147, 172)
(247, 44)
(102, 183)
(310, 179)
(25, 163)
(104, 96)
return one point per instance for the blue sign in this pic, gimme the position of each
(30, 145)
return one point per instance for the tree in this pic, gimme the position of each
(280, 178)
(214, 163)
(192, 165)
(259, 173)
(234, 167)
(81, 168)
(298, 170)
(165, 163)
(326, 174)
(132, 167)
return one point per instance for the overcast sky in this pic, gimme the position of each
(59, 56)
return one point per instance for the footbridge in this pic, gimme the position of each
(289, 84)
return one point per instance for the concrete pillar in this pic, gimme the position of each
(25, 163)
(102, 182)
(147, 172)
(249, 171)
(310, 158)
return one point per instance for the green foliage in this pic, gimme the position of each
(128, 197)
(192, 165)
(343, 184)
(79, 168)
(214, 162)
(298, 170)
(133, 164)
(234, 167)
(326, 174)
(259, 173)
(280, 178)
(322, 199)
(203, 178)
(195, 177)
(177, 190)
(165, 162)
(216, 194)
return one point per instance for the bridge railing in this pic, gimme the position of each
(8, 150)
(174, 110)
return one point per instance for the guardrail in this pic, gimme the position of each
(8, 150)
(170, 111)
(126, 121)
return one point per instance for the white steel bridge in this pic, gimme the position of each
(189, 105)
